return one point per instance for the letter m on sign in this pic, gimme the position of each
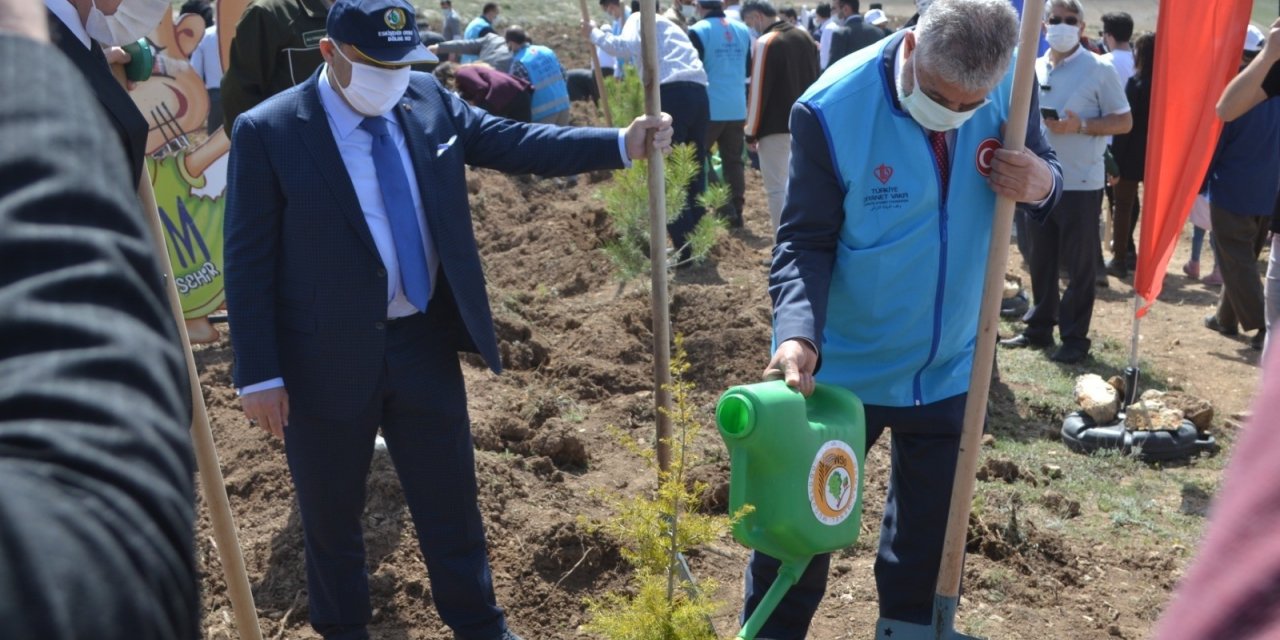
(181, 238)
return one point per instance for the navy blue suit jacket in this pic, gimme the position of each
(306, 288)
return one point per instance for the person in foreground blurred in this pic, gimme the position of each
(1231, 588)
(96, 487)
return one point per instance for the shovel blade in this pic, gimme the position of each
(943, 627)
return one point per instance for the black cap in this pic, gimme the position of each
(382, 30)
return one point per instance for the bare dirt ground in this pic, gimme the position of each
(576, 345)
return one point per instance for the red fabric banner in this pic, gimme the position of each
(1198, 45)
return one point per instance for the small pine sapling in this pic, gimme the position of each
(654, 530)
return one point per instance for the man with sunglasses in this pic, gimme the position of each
(896, 163)
(1083, 103)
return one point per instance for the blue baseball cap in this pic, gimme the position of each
(382, 30)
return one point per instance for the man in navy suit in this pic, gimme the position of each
(353, 280)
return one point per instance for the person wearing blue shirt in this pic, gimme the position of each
(896, 163)
(724, 46)
(1244, 178)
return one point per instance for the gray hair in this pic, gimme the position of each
(1073, 6)
(968, 42)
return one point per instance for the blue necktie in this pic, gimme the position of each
(401, 212)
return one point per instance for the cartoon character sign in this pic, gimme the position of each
(187, 168)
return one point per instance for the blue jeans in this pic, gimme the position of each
(926, 443)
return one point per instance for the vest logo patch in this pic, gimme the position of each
(883, 173)
(986, 152)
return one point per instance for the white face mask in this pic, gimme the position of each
(928, 113)
(132, 20)
(373, 91)
(688, 11)
(922, 6)
(1062, 37)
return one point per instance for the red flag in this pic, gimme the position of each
(1198, 46)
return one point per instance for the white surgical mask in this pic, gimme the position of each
(373, 91)
(688, 11)
(132, 20)
(1062, 37)
(928, 113)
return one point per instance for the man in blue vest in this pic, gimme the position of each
(480, 25)
(724, 46)
(539, 66)
(896, 163)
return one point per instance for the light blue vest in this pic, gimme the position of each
(907, 280)
(472, 32)
(550, 92)
(725, 44)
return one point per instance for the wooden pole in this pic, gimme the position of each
(211, 482)
(657, 236)
(975, 410)
(595, 66)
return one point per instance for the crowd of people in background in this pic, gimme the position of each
(732, 71)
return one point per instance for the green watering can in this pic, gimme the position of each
(799, 462)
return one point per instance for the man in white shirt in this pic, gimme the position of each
(207, 62)
(682, 82)
(1117, 28)
(824, 40)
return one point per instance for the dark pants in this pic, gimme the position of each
(1124, 220)
(1239, 240)
(1068, 236)
(520, 108)
(728, 136)
(215, 110)
(926, 443)
(420, 403)
(690, 112)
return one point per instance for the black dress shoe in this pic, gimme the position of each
(1117, 269)
(1258, 339)
(1023, 340)
(1211, 322)
(1068, 354)
(506, 635)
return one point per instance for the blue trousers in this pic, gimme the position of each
(420, 403)
(926, 443)
(690, 116)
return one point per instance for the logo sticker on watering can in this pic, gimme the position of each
(833, 483)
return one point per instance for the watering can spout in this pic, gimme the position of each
(788, 575)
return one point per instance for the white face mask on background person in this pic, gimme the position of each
(132, 20)
(1062, 37)
(688, 11)
(373, 91)
(922, 6)
(927, 112)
